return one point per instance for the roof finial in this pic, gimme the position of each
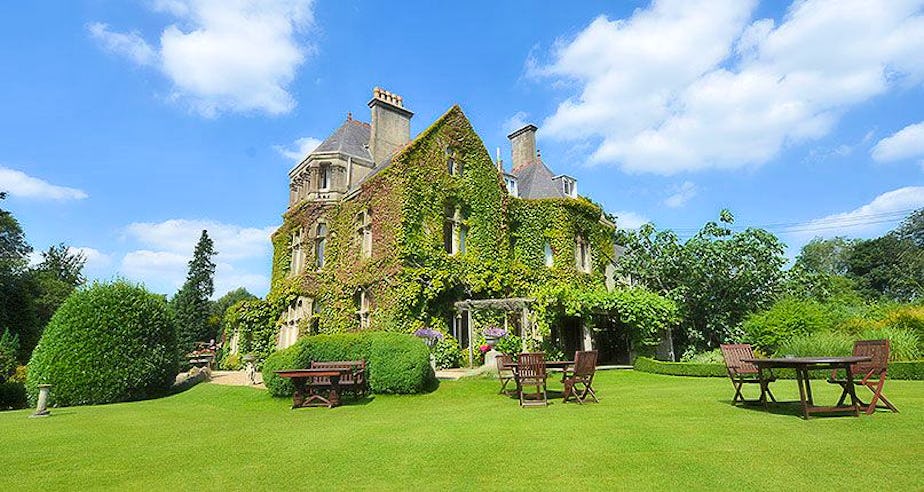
(349, 116)
(538, 154)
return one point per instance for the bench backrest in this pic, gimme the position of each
(357, 375)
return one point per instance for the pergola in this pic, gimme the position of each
(509, 304)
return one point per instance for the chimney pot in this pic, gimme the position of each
(523, 146)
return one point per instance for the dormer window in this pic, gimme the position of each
(364, 233)
(569, 187)
(511, 182)
(324, 177)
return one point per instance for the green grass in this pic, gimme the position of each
(649, 432)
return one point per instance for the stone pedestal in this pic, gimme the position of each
(41, 410)
(489, 363)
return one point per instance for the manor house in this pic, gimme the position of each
(386, 232)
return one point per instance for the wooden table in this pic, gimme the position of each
(308, 383)
(802, 366)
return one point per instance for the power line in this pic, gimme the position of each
(814, 225)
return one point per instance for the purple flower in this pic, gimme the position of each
(429, 333)
(494, 332)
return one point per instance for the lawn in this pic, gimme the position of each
(649, 432)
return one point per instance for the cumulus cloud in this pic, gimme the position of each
(20, 184)
(516, 121)
(166, 248)
(223, 55)
(682, 194)
(686, 86)
(907, 143)
(298, 149)
(882, 213)
(629, 220)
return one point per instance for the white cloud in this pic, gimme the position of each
(20, 184)
(130, 45)
(227, 278)
(180, 236)
(515, 122)
(158, 268)
(629, 220)
(874, 218)
(685, 86)
(298, 149)
(682, 194)
(96, 259)
(224, 55)
(907, 143)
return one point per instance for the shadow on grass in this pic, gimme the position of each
(791, 408)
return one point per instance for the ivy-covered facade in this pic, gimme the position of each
(387, 233)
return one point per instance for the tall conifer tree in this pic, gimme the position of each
(191, 304)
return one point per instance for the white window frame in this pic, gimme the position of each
(296, 246)
(549, 254)
(364, 308)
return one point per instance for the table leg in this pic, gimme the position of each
(800, 381)
(298, 398)
(808, 388)
(334, 399)
(852, 390)
(763, 387)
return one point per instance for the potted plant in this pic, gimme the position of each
(429, 336)
(492, 334)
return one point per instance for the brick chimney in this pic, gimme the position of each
(391, 124)
(523, 145)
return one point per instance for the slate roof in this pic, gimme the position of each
(535, 180)
(352, 138)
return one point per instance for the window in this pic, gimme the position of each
(511, 183)
(453, 165)
(549, 258)
(455, 231)
(582, 255)
(324, 177)
(364, 233)
(297, 256)
(315, 326)
(363, 302)
(569, 187)
(320, 244)
(289, 326)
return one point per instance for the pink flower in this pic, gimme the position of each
(484, 348)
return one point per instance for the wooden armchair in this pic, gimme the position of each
(585, 365)
(504, 373)
(531, 371)
(872, 373)
(742, 373)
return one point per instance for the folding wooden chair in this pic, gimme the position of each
(742, 373)
(504, 373)
(585, 365)
(875, 368)
(531, 371)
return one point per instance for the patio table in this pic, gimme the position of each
(802, 366)
(307, 391)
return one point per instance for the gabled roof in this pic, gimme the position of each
(535, 180)
(352, 138)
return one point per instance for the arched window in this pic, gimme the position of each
(363, 303)
(324, 177)
(582, 255)
(454, 166)
(455, 230)
(364, 233)
(291, 318)
(297, 253)
(320, 243)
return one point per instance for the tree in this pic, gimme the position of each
(717, 277)
(191, 304)
(219, 307)
(17, 312)
(14, 249)
(55, 278)
(827, 256)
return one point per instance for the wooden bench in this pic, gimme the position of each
(354, 381)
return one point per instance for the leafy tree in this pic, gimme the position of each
(717, 277)
(14, 249)
(55, 278)
(220, 307)
(827, 256)
(9, 352)
(17, 288)
(191, 304)
(889, 266)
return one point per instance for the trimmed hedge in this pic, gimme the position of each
(107, 343)
(897, 370)
(12, 395)
(395, 362)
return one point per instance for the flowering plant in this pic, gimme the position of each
(429, 333)
(484, 348)
(494, 332)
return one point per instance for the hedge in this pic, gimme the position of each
(12, 395)
(897, 370)
(395, 362)
(107, 343)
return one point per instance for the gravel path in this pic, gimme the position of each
(235, 378)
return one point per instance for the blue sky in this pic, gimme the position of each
(127, 127)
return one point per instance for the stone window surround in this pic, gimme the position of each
(455, 224)
(363, 235)
(363, 303)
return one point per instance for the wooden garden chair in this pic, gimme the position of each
(531, 371)
(585, 365)
(504, 373)
(872, 373)
(742, 373)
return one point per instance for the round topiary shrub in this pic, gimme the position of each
(107, 343)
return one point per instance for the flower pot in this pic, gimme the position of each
(490, 341)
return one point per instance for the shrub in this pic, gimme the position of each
(396, 363)
(446, 353)
(644, 364)
(784, 320)
(710, 357)
(232, 362)
(817, 344)
(908, 318)
(903, 343)
(12, 395)
(510, 345)
(907, 370)
(107, 343)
